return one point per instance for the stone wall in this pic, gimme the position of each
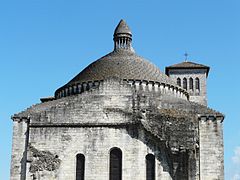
(195, 96)
(211, 148)
(19, 148)
(95, 143)
(137, 119)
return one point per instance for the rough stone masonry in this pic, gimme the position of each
(121, 118)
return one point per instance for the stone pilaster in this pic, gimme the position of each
(211, 148)
(19, 148)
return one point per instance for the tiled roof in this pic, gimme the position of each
(187, 65)
(123, 64)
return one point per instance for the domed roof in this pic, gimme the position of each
(123, 64)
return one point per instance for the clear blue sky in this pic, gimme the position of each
(43, 44)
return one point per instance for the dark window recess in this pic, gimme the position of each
(80, 167)
(115, 164)
(197, 83)
(150, 167)
(191, 83)
(184, 83)
(178, 81)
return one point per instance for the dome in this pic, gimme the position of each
(122, 63)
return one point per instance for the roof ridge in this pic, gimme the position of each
(185, 63)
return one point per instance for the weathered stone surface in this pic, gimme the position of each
(199, 96)
(43, 160)
(131, 106)
(157, 121)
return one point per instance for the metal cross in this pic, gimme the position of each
(186, 56)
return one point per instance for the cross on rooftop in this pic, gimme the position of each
(186, 56)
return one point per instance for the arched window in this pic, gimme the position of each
(115, 164)
(178, 81)
(184, 83)
(197, 83)
(80, 167)
(150, 167)
(191, 83)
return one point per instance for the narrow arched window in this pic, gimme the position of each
(80, 167)
(178, 81)
(115, 164)
(184, 83)
(197, 83)
(150, 167)
(191, 83)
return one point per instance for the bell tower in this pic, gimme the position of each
(192, 77)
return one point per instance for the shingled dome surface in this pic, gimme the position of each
(122, 63)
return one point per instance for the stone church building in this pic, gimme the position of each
(121, 118)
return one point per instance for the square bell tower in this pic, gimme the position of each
(192, 77)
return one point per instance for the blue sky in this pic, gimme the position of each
(43, 44)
